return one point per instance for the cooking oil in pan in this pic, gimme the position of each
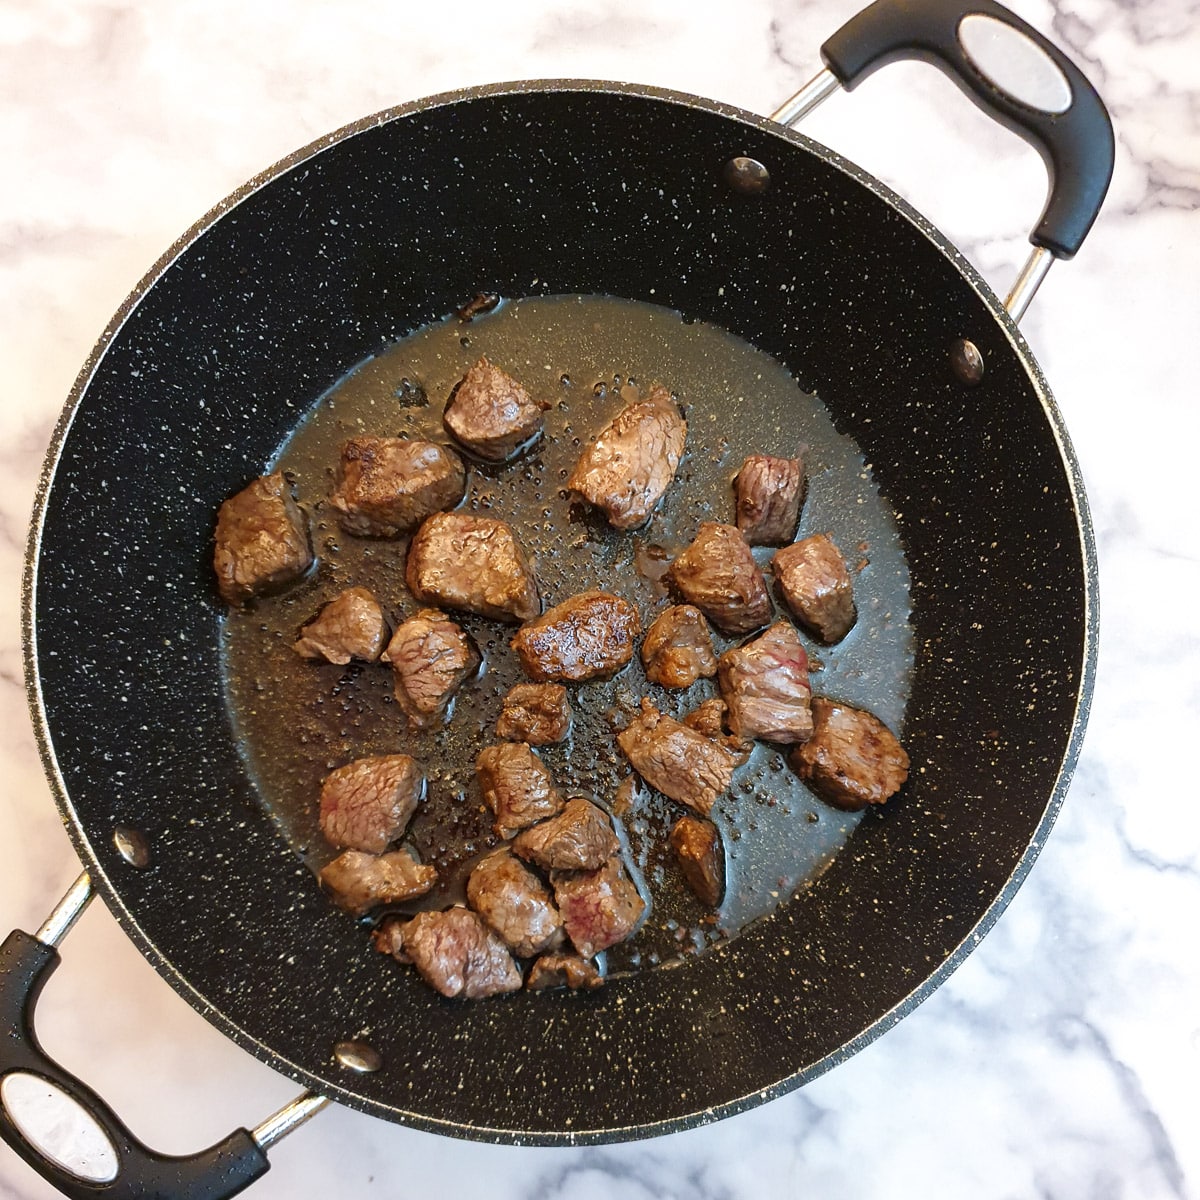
(584, 357)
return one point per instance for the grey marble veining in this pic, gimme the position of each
(1062, 1059)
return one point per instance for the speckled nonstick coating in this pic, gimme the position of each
(554, 188)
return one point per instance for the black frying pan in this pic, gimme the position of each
(348, 245)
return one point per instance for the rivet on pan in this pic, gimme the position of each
(747, 175)
(358, 1056)
(966, 362)
(132, 846)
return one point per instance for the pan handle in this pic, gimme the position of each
(1016, 76)
(222, 1170)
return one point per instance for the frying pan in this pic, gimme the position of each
(389, 224)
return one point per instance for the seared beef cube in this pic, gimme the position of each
(678, 761)
(718, 574)
(261, 541)
(388, 486)
(599, 908)
(490, 413)
(768, 499)
(459, 955)
(580, 838)
(765, 685)
(516, 786)
(515, 903)
(852, 758)
(627, 469)
(388, 938)
(367, 804)
(563, 970)
(697, 846)
(430, 657)
(351, 625)
(816, 585)
(537, 713)
(474, 563)
(589, 636)
(359, 882)
(711, 718)
(678, 648)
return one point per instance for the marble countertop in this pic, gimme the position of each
(1063, 1058)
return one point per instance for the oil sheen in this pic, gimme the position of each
(584, 358)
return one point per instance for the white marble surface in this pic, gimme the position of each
(1063, 1059)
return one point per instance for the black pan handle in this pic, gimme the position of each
(1063, 118)
(221, 1170)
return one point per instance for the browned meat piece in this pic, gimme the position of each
(627, 469)
(589, 636)
(388, 486)
(388, 937)
(580, 838)
(718, 574)
(351, 625)
(474, 563)
(697, 846)
(563, 970)
(712, 719)
(368, 803)
(816, 585)
(599, 908)
(480, 303)
(515, 903)
(537, 713)
(765, 685)
(490, 413)
(678, 648)
(768, 499)
(678, 761)
(459, 955)
(852, 759)
(430, 657)
(359, 882)
(516, 786)
(261, 540)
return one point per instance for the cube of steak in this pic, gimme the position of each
(490, 413)
(814, 581)
(457, 954)
(718, 574)
(580, 838)
(351, 625)
(768, 499)
(588, 636)
(678, 761)
(678, 648)
(537, 713)
(261, 540)
(852, 758)
(388, 486)
(430, 657)
(515, 903)
(474, 563)
(627, 469)
(697, 846)
(765, 686)
(711, 718)
(599, 908)
(516, 786)
(563, 970)
(368, 803)
(388, 938)
(359, 882)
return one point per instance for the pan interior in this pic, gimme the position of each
(583, 357)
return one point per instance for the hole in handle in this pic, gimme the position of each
(59, 1128)
(1017, 66)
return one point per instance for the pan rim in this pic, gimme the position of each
(325, 1086)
